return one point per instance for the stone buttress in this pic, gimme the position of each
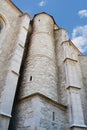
(37, 107)
(12, 45)
(69, 66)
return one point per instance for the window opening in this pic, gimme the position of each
(30, 78)
(1, 26)
(53, 116)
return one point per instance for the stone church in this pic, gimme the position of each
(43, 76)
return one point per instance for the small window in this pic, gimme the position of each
(53, 116)
(39, 20)
(30, 78)
(1, 26)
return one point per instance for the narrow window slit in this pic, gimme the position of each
(53, 116)
(1, 26)
(30, 78)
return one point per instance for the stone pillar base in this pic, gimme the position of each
(4, 122)
(78, 127)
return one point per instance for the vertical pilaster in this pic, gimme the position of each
(61, 35)
(73, 87)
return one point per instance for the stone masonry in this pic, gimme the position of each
(43, 76)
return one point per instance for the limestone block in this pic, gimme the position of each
(9, 92)
(66, 48)
(40, 46)
(78, 128)
(41, 61)
(76, 106)
(25, 20)
(40, 128)
(22, 36)
(61, 36)
(4, 122)
(16, 59)
(41, 116)
(83, 65)
(19, 50)
(41, 26)
(72, 77)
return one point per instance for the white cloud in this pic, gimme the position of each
(82, 13)
(42, 3)
(79, 38)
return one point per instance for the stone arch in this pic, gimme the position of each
(2, 24)
(2, 17)
(3, 27)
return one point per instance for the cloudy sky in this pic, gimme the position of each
(69, 14)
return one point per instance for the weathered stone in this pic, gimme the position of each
(49, 73)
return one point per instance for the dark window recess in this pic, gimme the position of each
(39, 20)
(1, 26)
(30, 78)
(53, 116)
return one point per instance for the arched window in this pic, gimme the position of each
(2, 24)
(3, 27)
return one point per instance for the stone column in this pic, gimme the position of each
(40, 75)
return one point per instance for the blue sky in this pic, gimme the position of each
(69, 14)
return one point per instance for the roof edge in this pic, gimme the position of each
(15, 7)
(48, 15)
(59, 105)
(26, 15)
(71, 42)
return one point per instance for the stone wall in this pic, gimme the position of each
(7, 45)
(12, 44)
(52, 74)
(39, 113)
(61, 36)
(40, 70)
(83, 64)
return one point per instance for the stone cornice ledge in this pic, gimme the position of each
(70, 59)
(47, 99)
(73, 86)
(78, 126)
(5, 114)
